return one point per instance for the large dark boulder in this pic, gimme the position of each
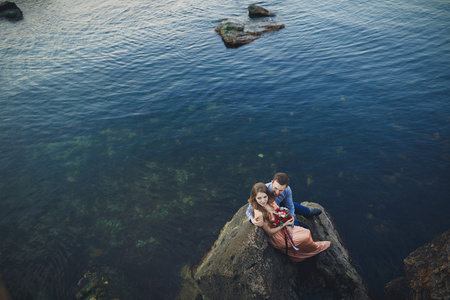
(9, 10)
(427, 273)
(243, 265)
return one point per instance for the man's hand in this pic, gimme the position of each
(257, 222)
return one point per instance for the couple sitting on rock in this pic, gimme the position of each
(264, 211)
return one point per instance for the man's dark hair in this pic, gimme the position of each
(281, 178)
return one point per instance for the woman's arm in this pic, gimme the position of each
(255, 221)
(269, 230)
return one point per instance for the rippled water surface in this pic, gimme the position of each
(129, 134)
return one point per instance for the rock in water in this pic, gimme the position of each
(255, 11)
(9, 10)
(243, 265)
(427, 273)
(235, 34)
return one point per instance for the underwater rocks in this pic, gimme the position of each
(104, 283)
(9, 10)
(243, 265)
(237, 33)
(427, 273)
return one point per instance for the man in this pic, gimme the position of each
(279, 186)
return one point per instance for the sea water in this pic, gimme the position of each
(129, 134)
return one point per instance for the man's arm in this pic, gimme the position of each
(288, 202)
(249, 211)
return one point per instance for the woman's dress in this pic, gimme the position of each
(302, 240)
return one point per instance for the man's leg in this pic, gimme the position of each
(305, 211)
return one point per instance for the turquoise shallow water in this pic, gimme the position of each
(129, 134)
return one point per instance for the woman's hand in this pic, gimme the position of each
(257, 222)
(289, 222)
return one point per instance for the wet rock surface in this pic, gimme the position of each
(427, 273)
(243, 265)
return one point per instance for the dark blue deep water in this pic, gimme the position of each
(129, 134)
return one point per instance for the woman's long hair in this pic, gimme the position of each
(260, 187)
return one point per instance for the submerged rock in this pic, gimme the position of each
(255, 11)
(427, 273)
(243, 265)
(9, 10)
(103, 283)
(235, 34)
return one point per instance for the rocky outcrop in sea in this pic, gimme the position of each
(243, 265)
(427, 273)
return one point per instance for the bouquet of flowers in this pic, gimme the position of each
(281, 215)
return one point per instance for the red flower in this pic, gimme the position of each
(281, 216)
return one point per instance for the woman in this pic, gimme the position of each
(264, 207)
